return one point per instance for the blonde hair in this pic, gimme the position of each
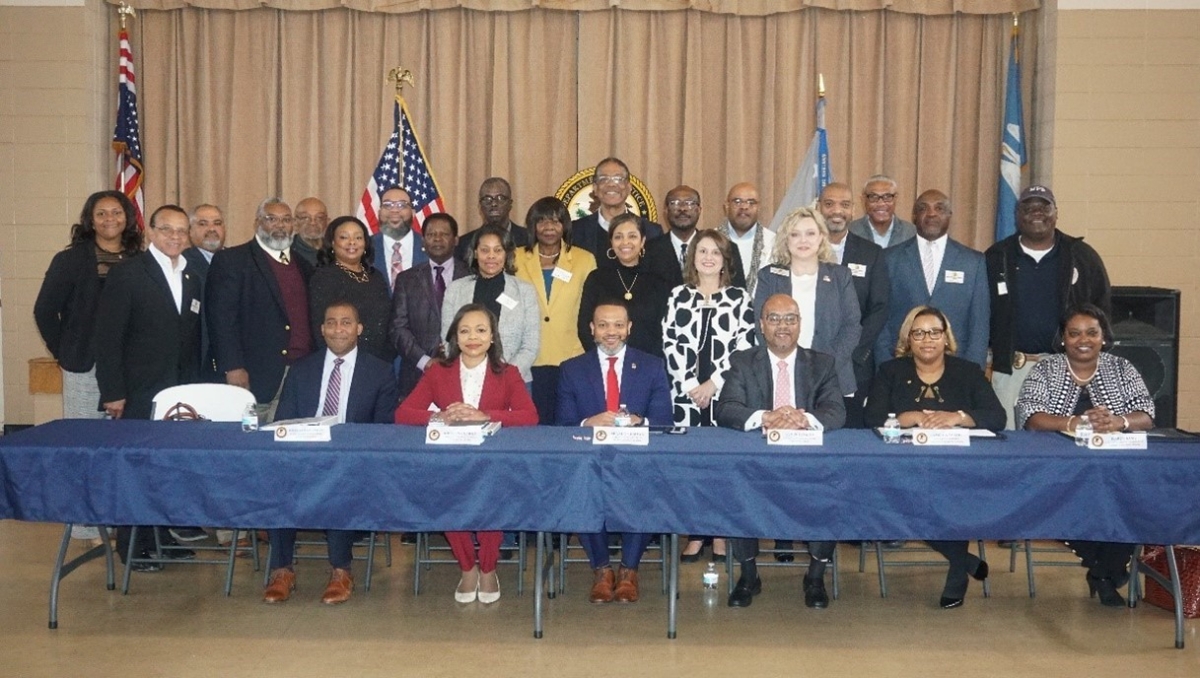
(903, 350)
(782, 256)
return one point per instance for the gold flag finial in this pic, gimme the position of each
(125, 12)
(400, 76)
(820, 85)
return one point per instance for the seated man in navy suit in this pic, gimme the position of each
(781, 386)
(356, 387)
(591, 388)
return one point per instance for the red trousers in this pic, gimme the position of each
(463, 548)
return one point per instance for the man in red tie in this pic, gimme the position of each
(782, 386)
(591, 388)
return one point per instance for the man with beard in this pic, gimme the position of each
(257, 296)
(880, 224)
(397, 246)
(495, 206)
(667, 256)
(753, 240)
(865, 261)
(610, 188)
(310, 222)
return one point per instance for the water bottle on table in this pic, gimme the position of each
(622, 417)
(1083, 431)
(891, 429)
(250, 418)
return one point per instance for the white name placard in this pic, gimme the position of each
(438, 434)
(948, 437)
(793, 437)
(620, 435)
(1118, 441)
(302, 433)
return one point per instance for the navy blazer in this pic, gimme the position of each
(372, 399)
(381, 257)
(416, 329)
(869, 273)
(749, 387)
(965, 304)
(247, 321)
(836, 328)
(644, 388)
(198, 266)
(586, 233)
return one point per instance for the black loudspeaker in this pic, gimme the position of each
(1145, 325)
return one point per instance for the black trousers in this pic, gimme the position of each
(1104, 559)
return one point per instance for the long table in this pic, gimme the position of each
(709, 481)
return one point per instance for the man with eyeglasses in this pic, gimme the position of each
(668, 255)
(311, 219)
(207, 235)
(610, 188)
(753, 241)
(257, 307)
(1034, 276)
(780, 386)
(147, 338)
(934, 270)
(880, 224)
(495, 206)
(397, 246)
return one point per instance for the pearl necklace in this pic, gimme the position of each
(1078, 379)
(550, 256)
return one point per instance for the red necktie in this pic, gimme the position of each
(612, 390)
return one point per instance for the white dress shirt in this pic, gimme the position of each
(347, 372)
(935, 249)
(882, 239)
(676, 243)
(173, 272)
(470, 379)
(275, 254)
(804, 291)
(745, 245)
(839, 249)
(406, 250)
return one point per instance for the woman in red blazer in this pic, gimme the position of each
(472, 383)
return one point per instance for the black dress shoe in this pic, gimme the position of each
(145, 567)
(814, 593)
(784, 558)
(178, 554)
(950, 603)
(1109, 595)
(743, 594)
(981, 572)
(408, 538)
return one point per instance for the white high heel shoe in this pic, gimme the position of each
(488, 597)
(466, 596)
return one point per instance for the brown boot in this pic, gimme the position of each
(341, 585)
(280, 585)
(627, 586)
(602, 587)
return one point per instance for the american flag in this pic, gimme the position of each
(127, 140)
(402, 156)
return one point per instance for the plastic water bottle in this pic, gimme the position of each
(250, 418)
(891, 429)
(1083, 431)
(622, 417)
(711, 579)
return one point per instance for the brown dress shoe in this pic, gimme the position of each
(627, 586)
(341, 585)
(280, 585)
(602, 587)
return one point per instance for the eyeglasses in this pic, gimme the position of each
(788, 319)
(494, 200)
(172, 232)
(1035, 206)
(874, 198)
(920, 335)
(395, 204)
(274, 219)
(683, 204)
(614, 179)
(744, 202)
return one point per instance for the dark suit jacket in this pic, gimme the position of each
(504, 399)
(902, 231)
(517, 235)
(586, 233)
(644, 388)
(872, 288)
(662, 257)
(965, 304)
(372, 397)
(65, 310)
(963, 387)
(416, 329)
(381, 257)
(749, 388)
(198, 265)
(143, 344)
(248, 324)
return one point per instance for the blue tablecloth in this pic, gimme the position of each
(708, 481)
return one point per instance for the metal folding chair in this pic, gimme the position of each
(428, 554)
(366, 555)
(880, 550)
(771, 562)
(565, 557)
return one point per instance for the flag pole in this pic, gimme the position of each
(124, 13)
(820, 85)
(400, 75)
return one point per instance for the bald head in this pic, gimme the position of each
(931, 214)
(311, 219)
(836, 204)
(741, 207)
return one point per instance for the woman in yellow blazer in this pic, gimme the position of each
(557, 271)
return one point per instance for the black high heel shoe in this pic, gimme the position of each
(692, 557)
(981, 571)
(1109, 595)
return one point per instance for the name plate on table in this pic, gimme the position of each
(621, 435)
(1118, 441)
(459, 434)
(949, 437)
(310, 430)
(794, 437)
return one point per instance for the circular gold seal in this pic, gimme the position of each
(922, 437)
(774, 436)
(281, 432)
(434, 434)
(1097, 440)
(601, 435)
(576, 192)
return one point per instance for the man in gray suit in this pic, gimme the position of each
(780, 386)
(933, 270)
(880, 224)
(417, 301)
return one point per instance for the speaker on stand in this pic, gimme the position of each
(1145, 324)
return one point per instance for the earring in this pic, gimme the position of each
(641, 253)
(611, 253)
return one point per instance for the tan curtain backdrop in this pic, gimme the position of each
(238, 106)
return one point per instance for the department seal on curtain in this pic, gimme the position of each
(576, 193)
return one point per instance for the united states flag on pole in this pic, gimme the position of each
(403, 156)
(127, 141)
(813, 175)
(1012, 148)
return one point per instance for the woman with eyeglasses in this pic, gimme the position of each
(345, 273)
(1084, 380)
(926, 386)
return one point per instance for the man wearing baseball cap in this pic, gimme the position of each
(1034, 276)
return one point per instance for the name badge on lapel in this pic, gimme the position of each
(955, 277)
(781, 271)
(195, 306)
(857, 270)
(1001, 288)
(561, 274)
(506, 301)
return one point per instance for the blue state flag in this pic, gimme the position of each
(1012, 149)
(813, 175)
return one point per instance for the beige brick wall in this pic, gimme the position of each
(1126, 144)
